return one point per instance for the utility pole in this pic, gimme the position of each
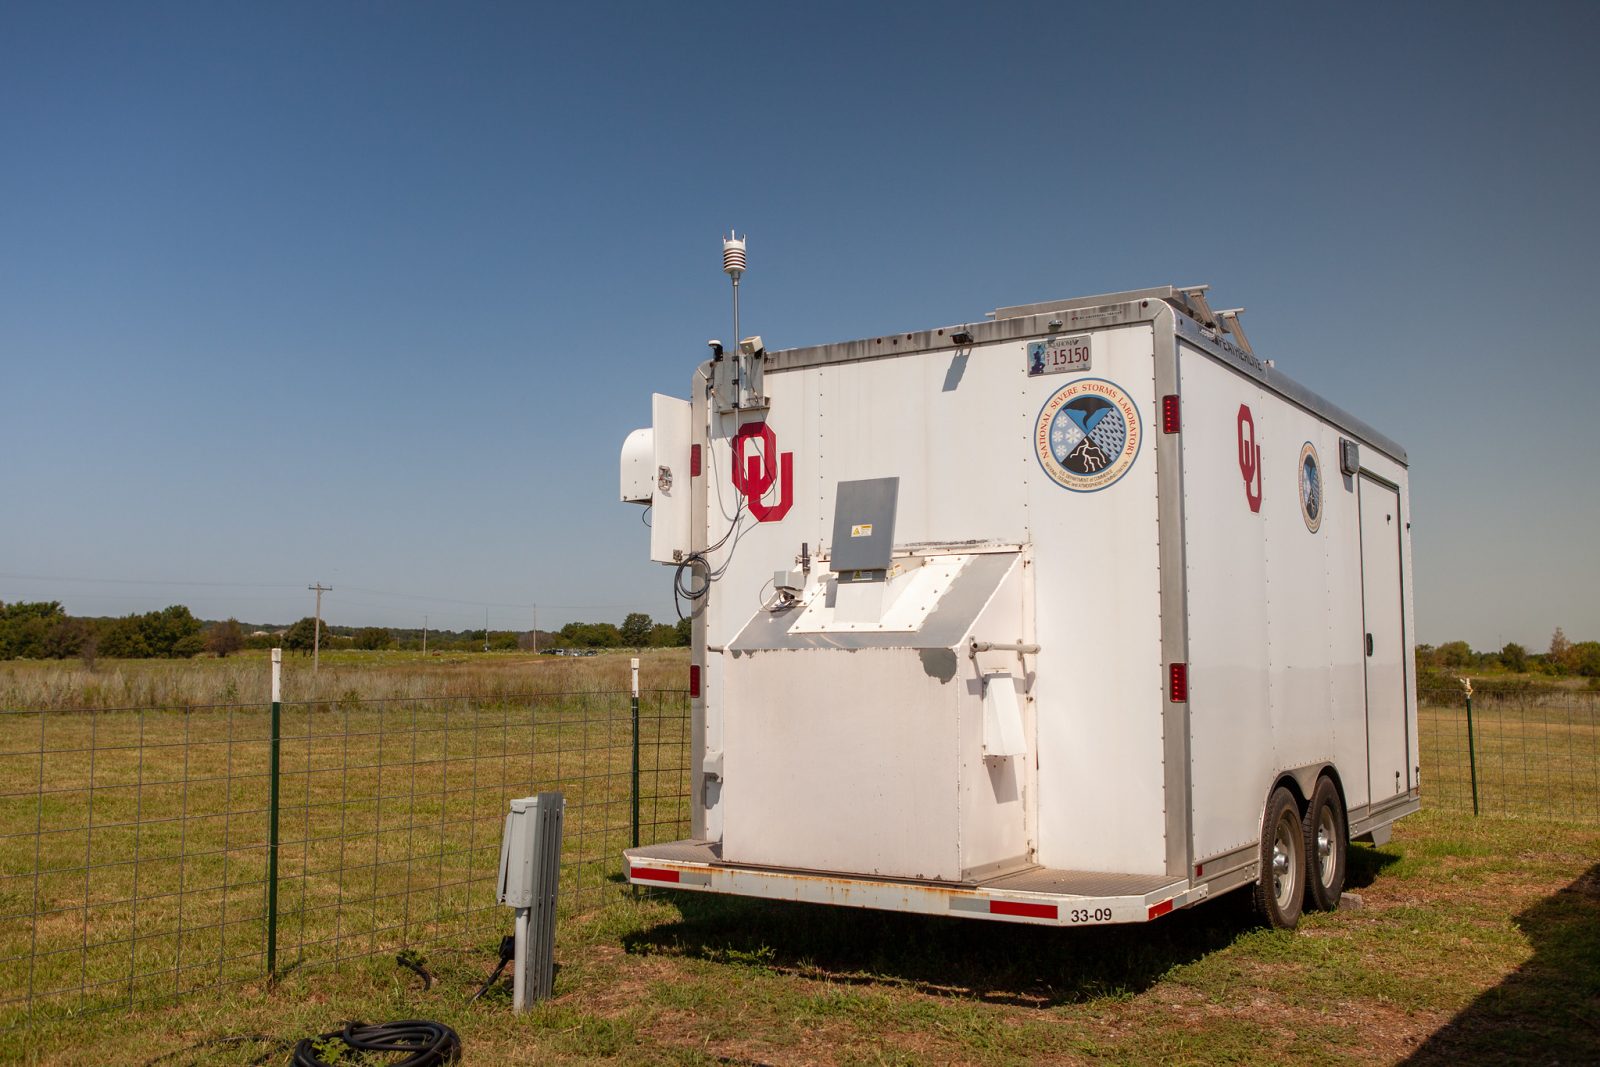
(424, 635)
(316, 633)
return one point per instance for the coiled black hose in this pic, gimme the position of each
(427, 1042)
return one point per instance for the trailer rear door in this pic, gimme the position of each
(1385, 640)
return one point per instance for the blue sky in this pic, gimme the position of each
(370, 293)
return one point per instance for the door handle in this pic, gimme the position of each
(1369, 644)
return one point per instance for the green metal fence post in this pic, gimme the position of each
(272, 814)
(636, 752)
(1472, 751)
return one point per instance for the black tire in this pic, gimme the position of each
(1280, 888)
(1327, 847)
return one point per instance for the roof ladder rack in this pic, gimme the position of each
(1195, 297)
(1229, 321)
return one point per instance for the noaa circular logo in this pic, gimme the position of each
(1087, 435)
(1310, 487)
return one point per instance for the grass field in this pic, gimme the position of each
(1535, 754)
(245, 677)
(134, 843)
(1476, 940)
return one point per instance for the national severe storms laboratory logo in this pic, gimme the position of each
(1087, 435)
(1310, 487)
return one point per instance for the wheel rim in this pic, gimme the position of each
(1285, 863)
(1327, 842)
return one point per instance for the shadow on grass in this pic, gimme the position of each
(1363, 865)
(1008, 963)
(1033, 966)
(1548, 1010)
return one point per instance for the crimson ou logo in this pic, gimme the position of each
(1249, 458)
(754, 475)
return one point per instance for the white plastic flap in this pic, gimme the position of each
(1002, 716)
(669, 503)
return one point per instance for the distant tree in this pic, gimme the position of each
(172, 632)
(1585, 657)
(1560, 652)
(26, 628)
(300, 636)
(372, 638)
(1514, 657)
(187, 647)
(636, 629)
(591, 635)
(663, 636)
(685, 628)
(1455, 654)
(225, 638)
(124, 639)
(1427, 656)
(64, 637)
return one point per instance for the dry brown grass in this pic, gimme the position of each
(245, 678)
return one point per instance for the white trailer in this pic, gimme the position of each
(1080, 614)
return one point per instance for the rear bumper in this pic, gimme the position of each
(1039, 895)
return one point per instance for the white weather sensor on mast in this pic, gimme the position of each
(738, 382)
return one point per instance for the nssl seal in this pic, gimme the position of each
(1087, 435)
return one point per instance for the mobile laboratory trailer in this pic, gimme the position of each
(1077, 615)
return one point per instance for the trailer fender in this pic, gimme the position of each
(1302, 782)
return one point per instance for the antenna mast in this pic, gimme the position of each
(733, 247)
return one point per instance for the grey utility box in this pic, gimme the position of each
(530, 871)
(863, 524)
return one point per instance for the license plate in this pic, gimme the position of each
(1058, 355)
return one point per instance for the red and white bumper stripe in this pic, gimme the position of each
(1042, 909)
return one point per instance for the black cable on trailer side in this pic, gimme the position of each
(425, 1043)
(691, 593)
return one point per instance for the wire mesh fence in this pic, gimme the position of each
(134, 844)
(1516, 752)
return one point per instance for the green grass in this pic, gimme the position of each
(133, 845)
(1473, 944)
(1478, 938)
(1535, 755)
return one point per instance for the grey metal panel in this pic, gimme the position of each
(864, 504)
(1083, 883)
(982, 333)
(947, 624)
(690, 851)
(1280, 383)
(1160, 292)
(1170, 540)
(1022, 321)
(1033, 880)
(699, 421)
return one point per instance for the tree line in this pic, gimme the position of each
(44, 630)
(1564, 658)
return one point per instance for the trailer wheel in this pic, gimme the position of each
(1280, 888)
(1327, 846)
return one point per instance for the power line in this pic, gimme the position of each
(316, 634)
(475, 603)
(143, 581)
